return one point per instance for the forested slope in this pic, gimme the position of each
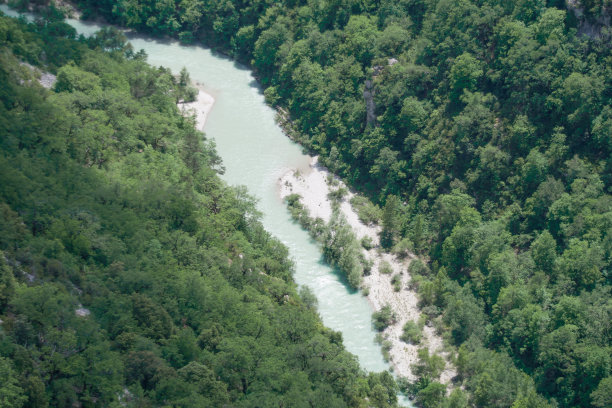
(488, 143)
(130, 274)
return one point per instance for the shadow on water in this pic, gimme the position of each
(341, 276)
(255, 84)
(132, 34)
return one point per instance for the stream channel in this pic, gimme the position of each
(256, 153)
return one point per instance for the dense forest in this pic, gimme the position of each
(130, 274)
(483, 130)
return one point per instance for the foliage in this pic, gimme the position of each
(489, 149)
(11, 394)
(367, 243)
(396, 282)
(429, 366)
(130, 274)
(341, 249)
(431, 396)
(411, 333)
(385, 268)
(383, 318)
(367, 212)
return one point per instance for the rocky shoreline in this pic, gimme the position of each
(313, 187)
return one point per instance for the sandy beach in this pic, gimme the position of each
(312, 186)
(200, 108)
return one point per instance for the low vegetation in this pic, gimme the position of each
(383, 318)
(411, 333)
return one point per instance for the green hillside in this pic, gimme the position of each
(487, 140)
(130, 274)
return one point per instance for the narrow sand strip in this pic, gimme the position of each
(312, 186)
(201, 107)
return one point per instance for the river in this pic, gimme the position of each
(256, 154)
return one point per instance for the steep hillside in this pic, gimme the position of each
(130, 274)
(483, 129)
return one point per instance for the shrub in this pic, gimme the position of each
(386, 350)
(383, 318)
(367, 243)
(385, 268)
(341, 249)
(367, 212)
(418, 267)
(403, 248)
(396, 281)
(429, 366)
(431, 396)
(366, 263)
(411, 333)
(338, 194)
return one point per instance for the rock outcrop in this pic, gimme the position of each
(591, 23)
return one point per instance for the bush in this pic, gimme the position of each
(308, 298)
(386, 350)
(396, 281)
(411, 333)
(418, 268)
(429, 366)
(431, 396)
(271, 96)
(366, 263)
(367, 212)
(341, 249)
(317, 228)
(403, 248)
(338, 194)
(367, 243)
(385, 268)
(383, 318)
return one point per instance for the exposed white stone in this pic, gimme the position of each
(82, 312)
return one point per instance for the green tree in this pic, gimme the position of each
(602, 396)
(432, 395)
(7, 283)
(464, 75)
(559, 365)
(11, 394)
(383, 318)
(429, 366)
(582, 262)
(341, 249)
(361, 34)
(544, 252)
(391, 221)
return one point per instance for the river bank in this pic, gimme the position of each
(199, 108)
(313, 186)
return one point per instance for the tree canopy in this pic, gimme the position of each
(485, 138)
(130, 274)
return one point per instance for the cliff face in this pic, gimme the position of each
(591, 20)
(368, 95)
(369, 91)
